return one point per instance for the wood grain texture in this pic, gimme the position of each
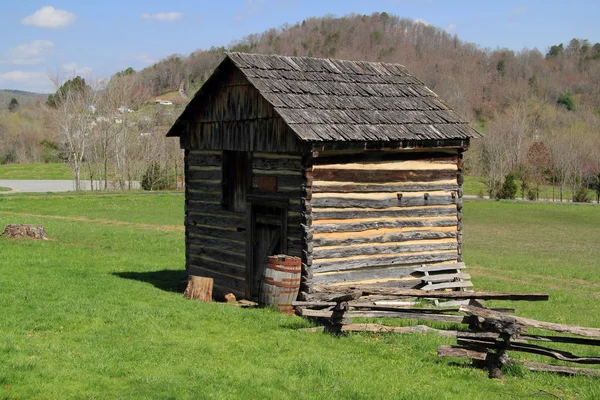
(383, 236)
(383, 248)
(528, 322)
(390, 212)
(366, 261)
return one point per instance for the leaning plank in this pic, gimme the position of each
(498, 316)
(444, 277)
(388, 314)
(440, 267)
(378, 328)
(461, 352)
(560, 369)
(436, 295)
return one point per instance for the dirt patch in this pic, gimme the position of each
(162, 228)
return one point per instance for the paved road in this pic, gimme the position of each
(44, 186)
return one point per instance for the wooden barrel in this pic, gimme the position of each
(281, 282)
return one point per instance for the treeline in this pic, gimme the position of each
(109, 133)
(539, 111)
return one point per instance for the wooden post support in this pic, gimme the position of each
(199, 288)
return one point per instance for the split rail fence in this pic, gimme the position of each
(490, 334)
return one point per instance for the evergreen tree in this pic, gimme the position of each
(13, 105)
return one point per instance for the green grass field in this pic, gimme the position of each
(58, 171)
(94, 312)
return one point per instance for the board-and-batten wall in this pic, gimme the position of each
(375, 216)
(215, 237)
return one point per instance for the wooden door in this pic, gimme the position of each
(267, 236)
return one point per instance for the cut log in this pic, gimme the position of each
(18, 231)
(498, 316)
(461, 352)
(199, 288)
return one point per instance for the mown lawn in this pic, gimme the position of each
(52, 171)
(94, 312)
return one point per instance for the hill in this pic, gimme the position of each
(22, 97)
(540, 112)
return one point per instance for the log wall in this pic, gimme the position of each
(378, 215)
(216, 238)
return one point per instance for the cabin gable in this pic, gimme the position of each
(229, 113)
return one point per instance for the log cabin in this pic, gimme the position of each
(356, 167)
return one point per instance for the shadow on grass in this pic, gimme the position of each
(166, 279)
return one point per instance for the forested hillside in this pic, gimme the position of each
(539, 110)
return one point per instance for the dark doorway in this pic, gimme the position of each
(267, 235)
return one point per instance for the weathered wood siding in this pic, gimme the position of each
(286, 169)
(215, 237)
(236, 117)
(378, 215)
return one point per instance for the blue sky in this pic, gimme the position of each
(95, 39)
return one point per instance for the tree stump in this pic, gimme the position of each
(199, 288)
(17, 231)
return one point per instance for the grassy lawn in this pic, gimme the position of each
(474, 185)
(5, 189)
(94, 312)
(58, 171)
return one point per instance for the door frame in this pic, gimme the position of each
(254, 200)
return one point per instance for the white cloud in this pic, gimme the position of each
(49, 17)
(28, 53)
(421, 21)
(451, 28)
(163, 16)
(24, 80)
(73, 69)
(20, 76)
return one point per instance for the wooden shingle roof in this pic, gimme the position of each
(338, 100)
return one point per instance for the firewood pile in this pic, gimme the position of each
(18, 231)
(489, 335)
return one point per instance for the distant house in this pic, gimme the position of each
(123, 110)
(356, 167)
(164, 102)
